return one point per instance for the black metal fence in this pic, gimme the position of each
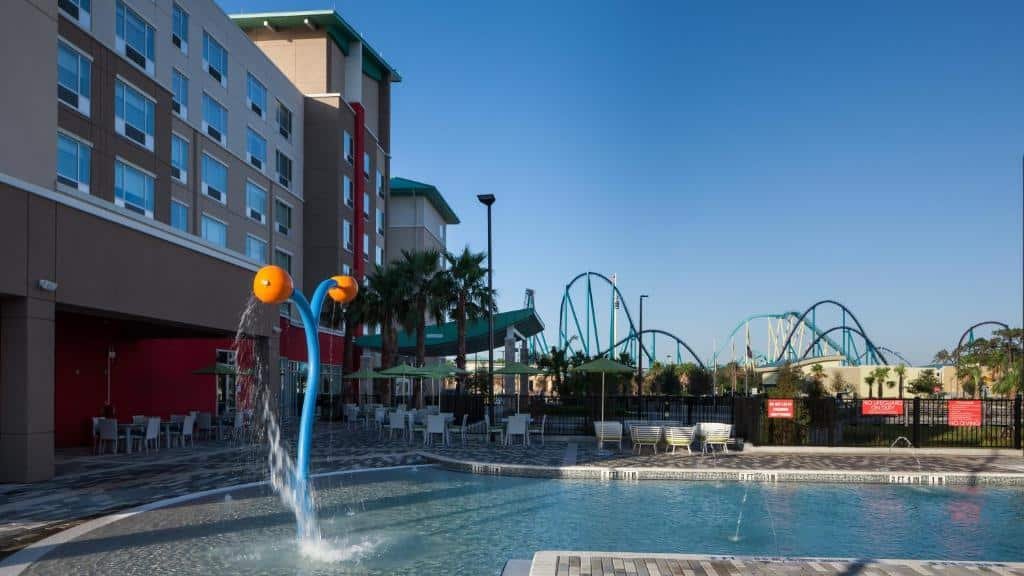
(817, 422)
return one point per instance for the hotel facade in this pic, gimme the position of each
(156, 154)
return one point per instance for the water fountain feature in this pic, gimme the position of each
(273, 285)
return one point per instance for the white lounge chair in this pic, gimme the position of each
(608, 432)
(645, 436)
(539, 428)
(679, 436)
(435, 425)
(715, 434)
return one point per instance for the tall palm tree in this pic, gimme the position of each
(426, 290)
(881, 376)
(870, 381)
(901, 371)
(470, 299)
(382, 300)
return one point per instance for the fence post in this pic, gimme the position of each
(1018, 420)
(915, 434)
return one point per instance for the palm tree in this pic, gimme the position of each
(469, 298)
(881, 376)
(556, 364)
(426, 291)
(901, 371)
(381, 301)
(870, 381)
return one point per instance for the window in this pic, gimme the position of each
(256, 249)
(346, 234)
(214, 231)
(380, 221)
(346, 270)
(179, 215)
(215, 59)
(366, 246)
(179, 158)
(73, 158)
(74, 77)
(256, 202)
(179, 29)
(133, 189)
(179, 93)
(366, 204)
(133, 115)
(283, 217)
(78, 10)
(348, 145)
(366, 165)
(257, 98)
(346, 186)
(215, 179)
(215, 120)
(134, 38)
(380, 183)
(284, 170)
(284, 121)
(379, 259)
(257, 149)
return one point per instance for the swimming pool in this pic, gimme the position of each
(431, 521)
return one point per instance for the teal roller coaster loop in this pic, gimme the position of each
(969, 333)
(792, 318)
(587, 332)
(653, 331)
(848, 349)
(878, 356)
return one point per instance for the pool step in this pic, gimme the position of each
(517, 568)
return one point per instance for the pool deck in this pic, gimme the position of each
(88, 486)
(561, 563)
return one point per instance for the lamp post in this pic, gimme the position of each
(488, 200)
(640, 347)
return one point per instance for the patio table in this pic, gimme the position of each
(167, 426)
(128, 434)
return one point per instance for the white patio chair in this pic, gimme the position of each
(492, 430)
(380, 417)
(139, 419)
(186, 430)
(108, 433)
(539, 428)
(435, 425)
(396, 423)
(517, 427)
(152, 435)
(96, 433)
(608, 432)
(715, 434)
(352, 416)
(679, 436)
(645, 436)
(204, 424)
(416, 424)
(460, 430)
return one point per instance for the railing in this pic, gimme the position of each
(817, 422)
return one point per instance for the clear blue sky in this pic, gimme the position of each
(726, 158)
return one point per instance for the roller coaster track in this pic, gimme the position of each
(871, 352)
(969, 333)
(677, 339)
(846, 329)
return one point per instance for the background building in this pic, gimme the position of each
(419, 218)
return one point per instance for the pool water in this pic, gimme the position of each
(431, 521)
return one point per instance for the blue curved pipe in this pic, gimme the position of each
(310, 314)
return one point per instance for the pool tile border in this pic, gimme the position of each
(728, 474)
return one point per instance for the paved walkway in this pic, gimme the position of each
(88, 486)
(611, 564)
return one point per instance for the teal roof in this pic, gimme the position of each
(336, 27)
(406, 187)
(442, 339)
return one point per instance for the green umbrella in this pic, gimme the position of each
(219, 368)
(364, 374)
(516, 369)
(404, 371)
(604, 366)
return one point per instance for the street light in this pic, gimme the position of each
(640, 347)
(488, 200)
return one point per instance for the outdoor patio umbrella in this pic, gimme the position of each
(404, 371)
(440, 372)
(518, 369)
(604, 366)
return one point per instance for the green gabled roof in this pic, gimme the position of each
(336, 27)
(442, 340)
(406, 187)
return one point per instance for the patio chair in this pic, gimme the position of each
(679, 436)
(539, 428)
(435, 425)
(352, 416)
(380, 417)
(108, 433)
(492, 430)
(396, 423)
(96, 433)
(204, 424)
(238, 427)
(152, 435)
(517, 427)
(460, 430)
(139, 419)
(715, 434)
(186, 430)
(608, 432)
(416, 425)
(645, 436)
